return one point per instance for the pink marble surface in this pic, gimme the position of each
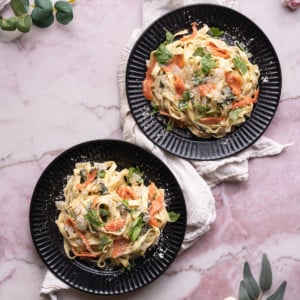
(58, 88)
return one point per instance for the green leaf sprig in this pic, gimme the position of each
(240, 65)
(207, 63)
(135, 229)
(42, 14)
(215, 31)
(250, 289)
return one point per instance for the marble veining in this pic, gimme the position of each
(58, 87)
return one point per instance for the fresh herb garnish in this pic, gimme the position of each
(173, 216)
(134, 176)
(161, 85)
(42, 14)
(104, 241)
(183, 105)
(199, 52)
(125, 202)
(250, 289)
(215, 32)
(101, 174)
(135, 170)
(240, 65)
(155, 108)
(169, 37)
(93, 218)
(135, 228)
(202, 108)
(207, 63)
(234, 114)
(184, 102)
(163, 55)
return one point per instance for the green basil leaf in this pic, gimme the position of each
(199, 51)
(163, 55)
(240, 65)
(18, 7)
(265, 277)
(243, 295)
(135, 229)
(101, 174)
(234, 114)
(64, 14)
(250, 283)
(173, 216)
(169, 37)
(104, 241)
(207, 63)
(216, 32)
(154, 108)
(201, 108)
(187, 95)
(24, 23)
(92, 217)
(279, 293)
(183, 105)
(9, 24)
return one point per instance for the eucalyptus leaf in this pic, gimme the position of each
(44, 4)
(243, 295)
(265, 277)
(64, 14)
(26, 4)
(250, 283)
(279, 293)
(42, 14)
(40, 19)
(18, 7)
(9, 24)
(24, 23)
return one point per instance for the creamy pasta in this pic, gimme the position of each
(201, 83)
(110, 216)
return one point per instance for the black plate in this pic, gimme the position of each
(237, 27)
(78, 273)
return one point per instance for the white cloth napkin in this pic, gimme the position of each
(196, 178)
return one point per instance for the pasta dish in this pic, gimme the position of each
(201, 83)
(109, 215)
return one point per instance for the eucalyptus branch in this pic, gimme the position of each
(251, 290)
(41, 13)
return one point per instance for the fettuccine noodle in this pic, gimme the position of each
(201, 83)
(110, 216)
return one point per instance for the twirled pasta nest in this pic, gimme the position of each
(110, 216)
(201, 83)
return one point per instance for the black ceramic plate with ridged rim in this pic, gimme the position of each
(237, 27)
(81, 274)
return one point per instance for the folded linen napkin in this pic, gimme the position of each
(198, 176)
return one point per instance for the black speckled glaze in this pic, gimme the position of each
(81, 274)
(237, 27)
